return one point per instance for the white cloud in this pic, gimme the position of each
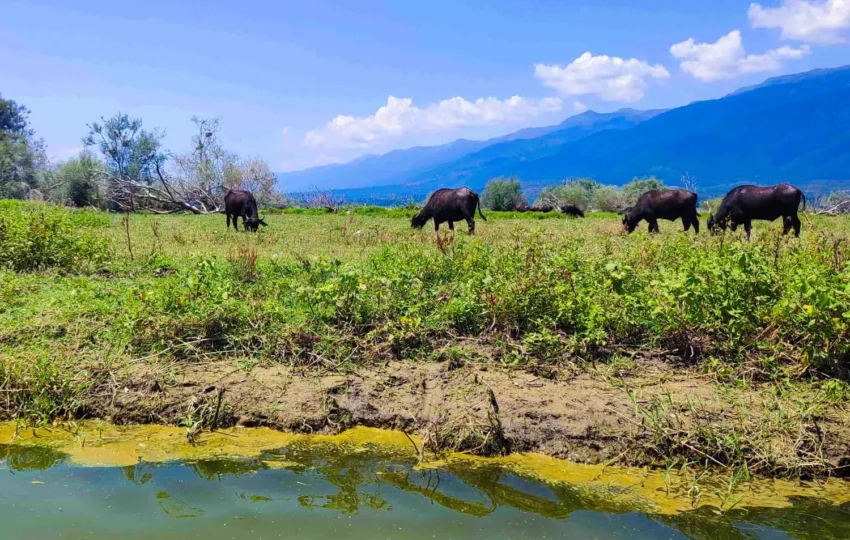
(284, 131)
(399, 117)
(608, 77)
(579, 107)
(726, 58)
(802, 20)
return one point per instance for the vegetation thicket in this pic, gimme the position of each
(80, 285)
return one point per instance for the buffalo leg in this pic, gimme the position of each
(795, 222)
(471, 223)
(228, 221)
(686, 221)
(694, 219)
(436, 226)
(653, 226)
(786, 225)
(452, 226)
(748, 227)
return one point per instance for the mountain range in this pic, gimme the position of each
(794, 128)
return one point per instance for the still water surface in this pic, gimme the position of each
(315, 491)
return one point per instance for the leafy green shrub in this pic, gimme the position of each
(502, 194)
(34, 236)
(638, 186)
(577, 192)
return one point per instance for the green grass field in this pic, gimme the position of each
(83, 294)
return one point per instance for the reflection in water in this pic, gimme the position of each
(351, 481)
(22, 458)
(175, 508)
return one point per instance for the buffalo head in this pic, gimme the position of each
(628, 226)
(252, 224)
(418, 221)
(715, 225)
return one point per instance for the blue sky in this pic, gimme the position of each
(306, 83)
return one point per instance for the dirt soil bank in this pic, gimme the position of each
(647, 415)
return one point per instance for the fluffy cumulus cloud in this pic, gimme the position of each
(608, 77)
(726, 58)
(813, 21)
(400, 117)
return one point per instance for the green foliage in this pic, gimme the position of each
(638, 186)
(128, 150)
(502, 194)
(577, 192)
(22, 157)
(81, 178)
(35, 236)
(607, 199)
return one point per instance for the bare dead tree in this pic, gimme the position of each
(317, 198)
(689, 182)
(834, 204)
(164, 195)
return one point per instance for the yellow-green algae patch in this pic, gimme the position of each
(99, 444)
(93, 444)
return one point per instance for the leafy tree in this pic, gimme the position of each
(22, 157)
(81, 179)
(607, 199)
(578, 192)
(502, 194)
(129, 151)
(638, 186)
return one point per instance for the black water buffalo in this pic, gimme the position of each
(450, 205)
(670, 204)
(572, 210)
(239, 203)
(745, 203)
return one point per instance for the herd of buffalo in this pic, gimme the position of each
(740, 206)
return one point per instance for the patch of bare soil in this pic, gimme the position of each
(642, 416)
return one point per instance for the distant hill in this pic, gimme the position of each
(793, 128)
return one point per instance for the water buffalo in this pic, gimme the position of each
(746, 203)
(670, 204)
(239, 203)
(450, 205)
(572, 210)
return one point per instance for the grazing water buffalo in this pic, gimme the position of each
(670, 204)
(239, 203)
(450, 205)
(745, 203)
(572, 210)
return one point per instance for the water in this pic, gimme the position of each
(329, 491)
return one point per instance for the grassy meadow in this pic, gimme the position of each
(84, 293)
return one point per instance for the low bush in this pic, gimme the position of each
(502, 194)
(36, 235)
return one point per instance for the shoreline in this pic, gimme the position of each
(645, 414)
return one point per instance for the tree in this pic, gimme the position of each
(23, 158)
(501, 194)
(208, 169)
(82, 179)
(638, 186)
(128, 150)
(257, 177)
(578, 192)
(607, 199)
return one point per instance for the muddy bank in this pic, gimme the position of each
(652, 415)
